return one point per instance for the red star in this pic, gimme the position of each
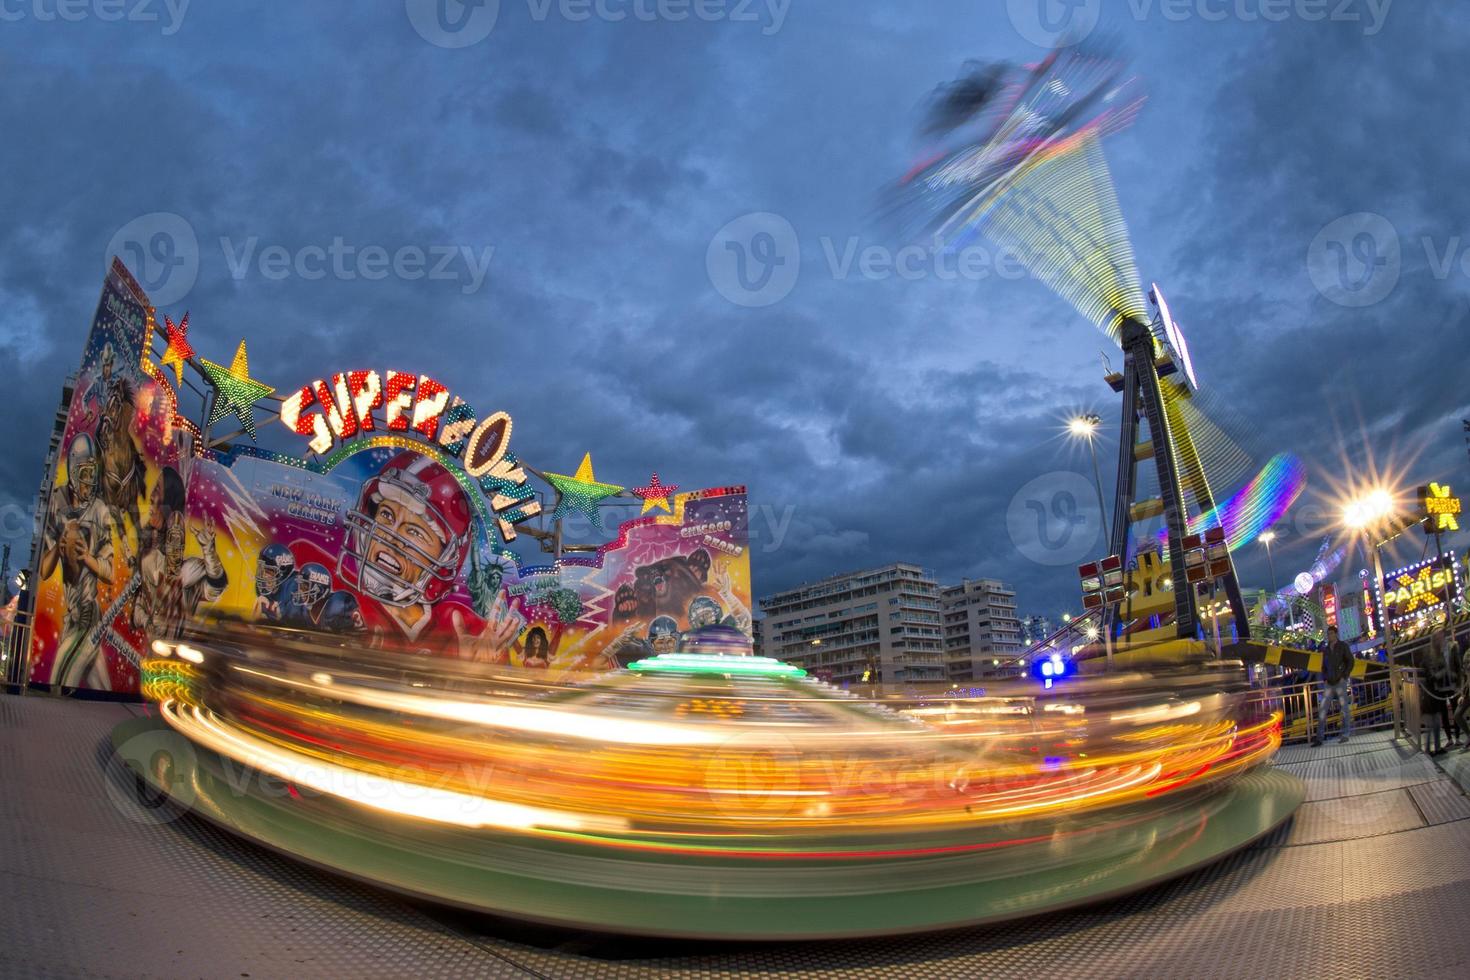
(656, 495)
(178, 350)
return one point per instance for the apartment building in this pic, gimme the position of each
(982, 633)
(881, 624)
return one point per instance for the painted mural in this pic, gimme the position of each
(106, 529)
(397, 518)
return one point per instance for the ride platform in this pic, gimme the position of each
(99, 884)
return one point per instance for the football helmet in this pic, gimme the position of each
(81, 468)
(380, 560)
(704, 611)
(663, 635)
(313, 584)
(274, 566)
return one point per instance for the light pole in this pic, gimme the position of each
(1266, 538)
(1085, 427)
(1375, 516)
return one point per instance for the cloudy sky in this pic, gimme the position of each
(579, 180)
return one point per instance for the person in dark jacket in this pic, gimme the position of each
(1463, 711)
(1439, 679)
(1337, 672)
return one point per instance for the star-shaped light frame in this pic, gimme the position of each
(235, 390)
(179, 350)
(581, 493)
(656, 494)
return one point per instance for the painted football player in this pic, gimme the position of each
(78, 540)
(275, 582)
(407, 540)
(172, 585)
(704, 611)
(317, 606)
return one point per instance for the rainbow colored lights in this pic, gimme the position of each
(1257, 505)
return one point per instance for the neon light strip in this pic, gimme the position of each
(696, 663)
(369, 790)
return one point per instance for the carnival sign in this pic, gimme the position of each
(350, 406)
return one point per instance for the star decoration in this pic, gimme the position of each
(179, 349)
(235, 390)
(656, 495)
(581, 493)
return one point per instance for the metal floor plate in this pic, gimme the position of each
(93, 884)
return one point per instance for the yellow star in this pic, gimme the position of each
(235, 390)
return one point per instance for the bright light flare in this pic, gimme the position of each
(1084, 426)
(1374, 507)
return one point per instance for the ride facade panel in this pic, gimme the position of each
(395, 518)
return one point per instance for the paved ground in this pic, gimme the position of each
(1369, 879)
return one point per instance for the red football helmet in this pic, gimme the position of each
(381, 560)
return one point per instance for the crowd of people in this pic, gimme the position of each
(1443, 671)
(1444, 692)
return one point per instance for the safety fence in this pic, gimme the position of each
(1371, 703)
(15, 645)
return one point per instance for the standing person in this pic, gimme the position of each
(1448, 676)
(1337, 672)
(1464, 710)
(1434, 685)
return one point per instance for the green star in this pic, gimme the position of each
(235, 390)
(581, 493)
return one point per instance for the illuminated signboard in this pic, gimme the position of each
(349, 405)
(1175, 336)
(1419, 589)
(1441, 508)
(1329, 603)
(1370, 609)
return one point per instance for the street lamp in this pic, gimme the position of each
(1374, 516)
(1086, 427)
(1266, 538)
(1369, 510)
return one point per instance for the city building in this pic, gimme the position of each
(878, 625)
(1034, 629)
(982, 633)
(758, 636)
(54, 451)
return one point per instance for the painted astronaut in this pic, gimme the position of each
(78, 539)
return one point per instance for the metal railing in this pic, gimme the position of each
(15, 650)
(1372, 703)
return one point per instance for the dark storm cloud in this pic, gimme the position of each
(1315, 122)
(873, 420)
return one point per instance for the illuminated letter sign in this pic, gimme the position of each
(1413, 591)
(398, 399)
(1441, 508)
(341, 409)
(1329, 603)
